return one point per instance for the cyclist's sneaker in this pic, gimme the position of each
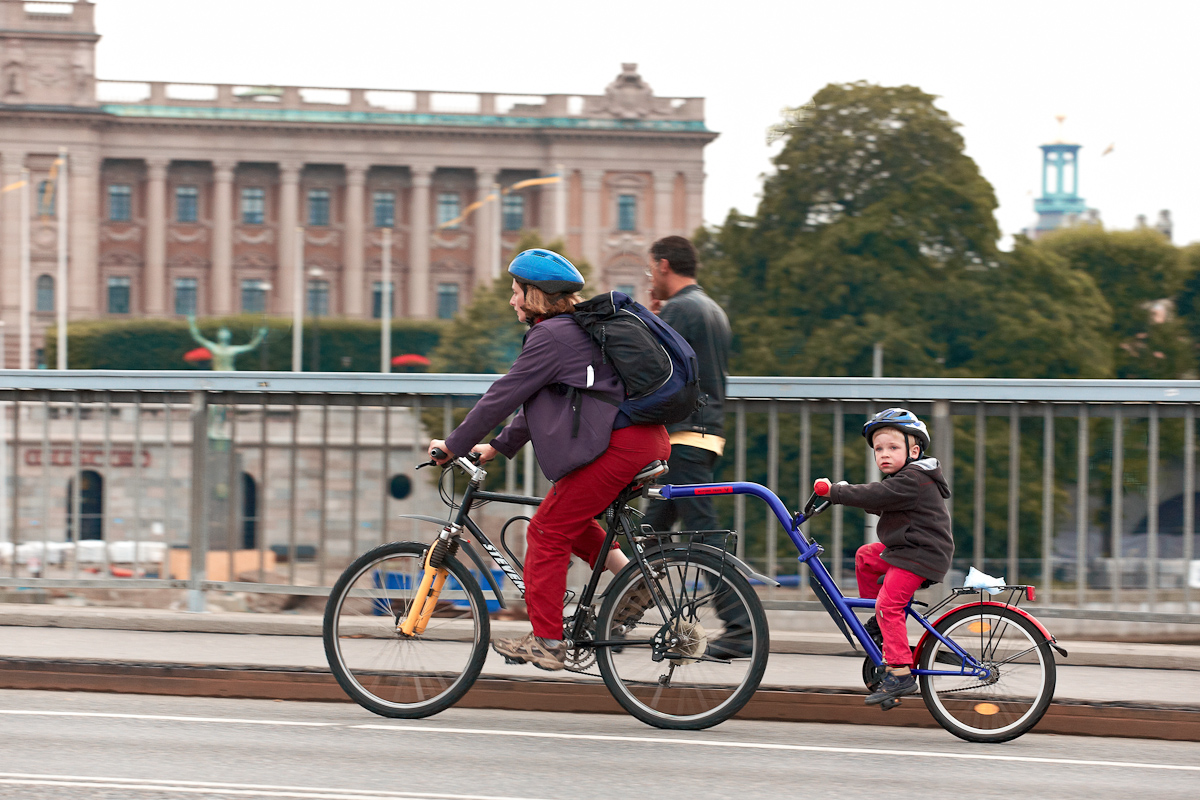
(872, 626)
(634, 604)
(733, 644)
(530, 649)
(891, 687)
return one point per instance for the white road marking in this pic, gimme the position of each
(167, 718)
(787, 747)
(609, 738)
(230, 789)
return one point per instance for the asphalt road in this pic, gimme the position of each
(68, 746)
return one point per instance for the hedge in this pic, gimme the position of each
(346, 345)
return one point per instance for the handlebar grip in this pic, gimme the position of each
(821, 486)
(438, 453)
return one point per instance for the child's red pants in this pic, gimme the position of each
(899, 586)
(565, 524)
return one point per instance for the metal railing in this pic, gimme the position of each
(271, 482)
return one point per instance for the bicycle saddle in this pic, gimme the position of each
(650, 473)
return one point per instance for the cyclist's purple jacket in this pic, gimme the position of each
(557, 353)
(913, 524)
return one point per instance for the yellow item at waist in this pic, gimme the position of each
(704, 441)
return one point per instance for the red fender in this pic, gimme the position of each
(1041, 628)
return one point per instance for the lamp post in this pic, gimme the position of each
(314, 298)
(263, 354)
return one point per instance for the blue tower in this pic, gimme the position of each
(1060, 185)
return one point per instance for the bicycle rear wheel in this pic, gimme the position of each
(1015, 693)
(713, 668)
(385, 671)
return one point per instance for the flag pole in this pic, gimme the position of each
(23, 360)
(385, 303)
(60, 204)
(298, 304)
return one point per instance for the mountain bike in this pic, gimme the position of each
(986, 668)
(407, 627)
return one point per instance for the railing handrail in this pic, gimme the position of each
(740, 387)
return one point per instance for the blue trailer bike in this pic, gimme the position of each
(679, 636)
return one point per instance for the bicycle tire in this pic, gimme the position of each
(711, 690)
(1013, 698)
(377, 666)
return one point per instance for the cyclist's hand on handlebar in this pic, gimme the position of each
(438, 452)
(485, 452)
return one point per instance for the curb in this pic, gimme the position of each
(831, 706)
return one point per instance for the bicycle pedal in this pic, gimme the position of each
(889, 704)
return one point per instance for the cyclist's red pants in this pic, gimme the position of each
(564, 523)
(899, 586)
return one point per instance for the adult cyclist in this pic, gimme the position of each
(585, 446)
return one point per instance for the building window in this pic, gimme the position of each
(185, 296)
(627, 288)
(118, 295)
(253, 205)
(254, 296)
(385, 209)
(120, 202)
(318, 207)
(45, 293)
(45, 199)
(627, 212)
(377, 300)
(447, 300)
(447, 208)
(318, 298)
(187, 206)
(514, 212)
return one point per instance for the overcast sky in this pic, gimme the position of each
(1120, 72)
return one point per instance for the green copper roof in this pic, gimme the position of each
(399, 118)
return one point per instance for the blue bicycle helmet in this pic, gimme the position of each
(902, 420)
(546, 270)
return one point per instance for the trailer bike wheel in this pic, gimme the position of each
(1018, 685)
(385, 671)
(707, 669)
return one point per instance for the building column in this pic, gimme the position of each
(156, 236)
(352, 256)
(592, 222)
(486, 219)
(418, 243)
(222, 240)
(84, 247)
(10, 235)
(289, 218)
(694, 212)
(664, 203)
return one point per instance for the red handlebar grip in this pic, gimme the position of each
(821, 486)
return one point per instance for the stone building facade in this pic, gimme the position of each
(189, 198)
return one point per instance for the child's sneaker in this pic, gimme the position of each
(891, 687)
(530, 649)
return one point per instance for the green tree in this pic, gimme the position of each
(1140, 274)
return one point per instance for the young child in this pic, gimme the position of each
(915, 543)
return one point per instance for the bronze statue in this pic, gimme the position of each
(224, 353)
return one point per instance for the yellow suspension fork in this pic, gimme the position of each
(426, 597)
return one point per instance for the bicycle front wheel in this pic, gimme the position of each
(1017, 689)
(380, 668)
(712, 640)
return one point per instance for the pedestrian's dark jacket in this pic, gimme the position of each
(913, 524)
(703, 323)
(557, 354)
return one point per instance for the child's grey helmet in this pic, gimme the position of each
(902, 420)
(546, 270)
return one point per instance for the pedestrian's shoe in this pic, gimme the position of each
(529, 649)
(736, 643)
(891, 688)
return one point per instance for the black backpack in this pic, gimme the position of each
(656, 365)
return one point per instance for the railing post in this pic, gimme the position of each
(1048, 503)
(1118, 502)
(839, 468)
(943, 422)
(739, 474)
(1189, 501)
(198, 524)
(772, 484)
(1152, 511)
(1081, 507)
(805, 472)
(1013, 572)
(977, 519)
